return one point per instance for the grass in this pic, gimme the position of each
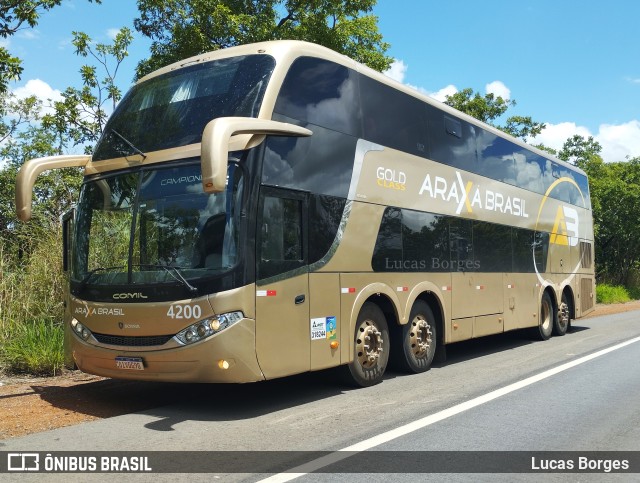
(35, 348)
(612, 294)
(31, 311)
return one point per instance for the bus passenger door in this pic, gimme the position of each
(282, 287)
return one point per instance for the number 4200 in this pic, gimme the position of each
(184, 312)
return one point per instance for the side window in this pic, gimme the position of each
(322, 93)
(387, 254)
(452, 141)
(496, 157)
(492, 247)
(461, 243)
(393, 118)
(282, 235)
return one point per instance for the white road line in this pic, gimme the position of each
(434, 418)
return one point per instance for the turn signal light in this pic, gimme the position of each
(334, 344)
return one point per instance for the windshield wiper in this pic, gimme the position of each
(128, 143)
(175, 273)
(91, 273)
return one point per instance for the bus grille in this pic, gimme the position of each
(140, 341)
(586, 294)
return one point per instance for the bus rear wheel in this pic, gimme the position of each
(563, 319)
(415, 347)
(548, 316)
(371, 348)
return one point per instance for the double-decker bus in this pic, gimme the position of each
(277, 208)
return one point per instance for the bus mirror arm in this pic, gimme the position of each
(29, 172)
(232, 134)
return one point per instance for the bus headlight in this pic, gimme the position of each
(207, 327)
(80, 330)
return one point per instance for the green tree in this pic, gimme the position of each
(78, 119)
(489, 109)
(615, 197)
(580, 151)
(183, 28)
(81, 115)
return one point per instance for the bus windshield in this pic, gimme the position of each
(156, 226)
(172, 109)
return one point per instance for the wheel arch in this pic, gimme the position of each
(386, 299)
(568, 292)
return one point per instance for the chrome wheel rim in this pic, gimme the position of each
(420, 337)
(369, 343)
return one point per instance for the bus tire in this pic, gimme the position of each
(415, 347)
(371, 348)
(563, 318)
(548, 316)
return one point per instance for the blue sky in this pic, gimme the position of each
(573, 64)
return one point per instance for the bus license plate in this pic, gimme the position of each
(130, 363)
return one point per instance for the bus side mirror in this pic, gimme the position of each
(233, 134)
(29, 172)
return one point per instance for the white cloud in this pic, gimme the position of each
(442, 94)
(43, 91)
(618, 141)
(111, 33)
(38, 88)
(498, 89)
(396, 70)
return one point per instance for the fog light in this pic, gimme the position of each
(222, 364)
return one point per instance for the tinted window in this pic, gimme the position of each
(321, 163)
(322, 93)
(326, 213)
(387, 254)
(496, 157)
(461, 242)
(393, 118)
(492, 247)
(410, 241)
(172, 109)
(529, 248)
(425, 241)
(452, 141)
(281, 240)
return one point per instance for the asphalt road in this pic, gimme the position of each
(494, 395)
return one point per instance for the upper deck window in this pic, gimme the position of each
(322, 93)
(172, 109)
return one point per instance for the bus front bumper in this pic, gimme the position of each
(225, 357)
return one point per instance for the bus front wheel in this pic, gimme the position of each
(416, 344)
(371, 348)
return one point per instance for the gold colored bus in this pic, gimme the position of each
(277, 208)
